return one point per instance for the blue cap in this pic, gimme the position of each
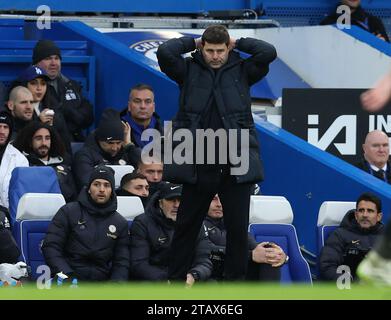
(32, 73)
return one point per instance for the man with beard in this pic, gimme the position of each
(43, 146)
(10, 157)
(88, 239)
(109, 144)
(354, 238)
(134, 184)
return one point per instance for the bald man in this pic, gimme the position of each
(376, 153)
(20, 105)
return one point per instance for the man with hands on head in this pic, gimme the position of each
(215, 96)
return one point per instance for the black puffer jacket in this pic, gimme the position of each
(151, 234)
(347, 245)
(77, 111)
(228, 88)
(88, 241)
(62, 166)
(217, 234)
(91, 155)
(9, 251)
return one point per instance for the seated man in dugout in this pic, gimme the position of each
(264, 259)
(353, 239)
(134, 184)
(151, 237)
(88, 239)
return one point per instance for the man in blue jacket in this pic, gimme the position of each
(215, 98)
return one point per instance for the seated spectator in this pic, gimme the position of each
(376, 153)
(10, 157)
(9, 251)
(43, 146)
(264, 259)
(353, 239)
(109, 144)
(67, 93)
(35, 79)
(140, 113)
(134, 184)
(20, 106)
(153, 171)
(88, 239)
(360, 18)
(151, 236)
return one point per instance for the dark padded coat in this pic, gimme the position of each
(228, 88)
(9, 251)
(77, 111)
(91, 155)
(347, 245)
(88, 242)
(62, 166)
(217, 234)
(151, 235)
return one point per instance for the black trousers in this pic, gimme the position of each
(193, 208)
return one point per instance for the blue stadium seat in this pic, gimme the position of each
(330, 216)
(15, 56)
(119, 172)
(271, 220)
(34, 214)
(129, 207)
(30, 179)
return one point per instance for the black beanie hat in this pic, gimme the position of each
(6, 118)
(102, 172)
(44, 49)
(110, 126)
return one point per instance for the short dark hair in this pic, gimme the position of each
(141, 86)
(131, 176)
(367, 196)
(24, 139)
(216, 34)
